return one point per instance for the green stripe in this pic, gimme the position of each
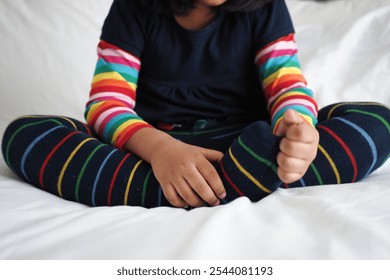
(20, 129)
(115, 123)
(275, 68)
(106, 69)
(378, 117)
(201, 132)
(256, 156)
(77, 188)
(318, 176)
(145, 187)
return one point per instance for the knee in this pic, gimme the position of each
(348, 108)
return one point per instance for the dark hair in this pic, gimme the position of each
(182, 7)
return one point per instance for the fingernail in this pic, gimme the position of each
(217, 203)
(222, 196)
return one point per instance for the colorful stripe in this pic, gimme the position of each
(82, 170)
(99, 173)
(268, 163)
(51, 154)
(31, 146)
(69, 159)
(317, 174)
(369, 140)
(23, 127)
(283, 82)
(247, 174)
(376, 116)
(345, 148)
(229, 180)
(110, 109)
(145, 186)
(331, 163)
(126, 198)
(112, 184)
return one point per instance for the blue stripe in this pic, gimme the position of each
(299, 108)
(120, 68)
(159, 196)
(98, 176)
(368, 138)
(278, 61)
(107, 133)
(31, 146)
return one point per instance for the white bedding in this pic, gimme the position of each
(46, 64)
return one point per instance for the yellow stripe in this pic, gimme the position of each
(70, 121)
(332, 164)
(49, 116)
(288, 94)
(247, 174)
(112, 76)
(282, 72)
(107, 76)
(59, 185)
(92, 108)
(129, 182)
(123, 127)
(308, 119)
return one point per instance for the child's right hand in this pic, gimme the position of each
(185, 172)
(187, 175)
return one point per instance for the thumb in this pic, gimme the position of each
(290, 118)
(212, 155)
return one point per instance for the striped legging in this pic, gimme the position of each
(65, 157)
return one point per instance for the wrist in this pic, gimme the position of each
(147, 142)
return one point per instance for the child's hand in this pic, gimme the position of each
(186, 174)
(298, 148)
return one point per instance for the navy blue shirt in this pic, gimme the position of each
(205, 74)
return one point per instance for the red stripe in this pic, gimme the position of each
(345, 147)
(230, 181)
(275, 53)
(292, 97)
(109, 118)
(114, 178)
(88, 129)
(279, 85)
(105, 45)
(129, 132)
(104, 106)
(126, 91)
(289, 37)
(50, 155)
(120, 60)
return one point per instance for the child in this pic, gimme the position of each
(195, 103)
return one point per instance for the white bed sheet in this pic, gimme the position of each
(45, 68)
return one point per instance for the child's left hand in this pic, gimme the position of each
(298, 147)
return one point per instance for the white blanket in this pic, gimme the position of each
(46, 64)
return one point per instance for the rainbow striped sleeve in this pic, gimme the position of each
(110, 109)
(283, 83)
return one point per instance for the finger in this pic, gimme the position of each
(288, 177)
(297, 149)
(211, 176)
(302, 133)
(173, 197)
(290, 118)
(202, 188)
(212, 155)
(290, 164)
(186, 192)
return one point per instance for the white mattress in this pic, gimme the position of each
(46, 64)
